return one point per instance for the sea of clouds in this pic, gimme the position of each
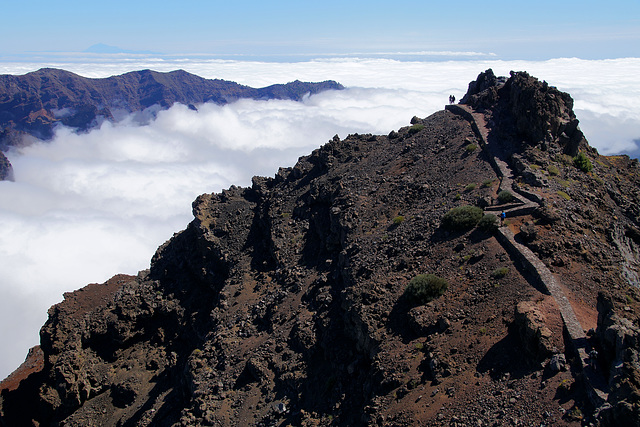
(85, 207)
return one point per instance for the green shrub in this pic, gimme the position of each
(553, 170)
(425, 287)
(564, 195)
(487, 183)
(499, 273)
(415, 129)
(462, 217)
(488, 223)
(582, 162)
(505, 196)
(398, 220)
(471, 148)
(470, 187)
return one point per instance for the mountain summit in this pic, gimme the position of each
(376, 282)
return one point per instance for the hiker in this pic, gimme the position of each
(452, 99)
(593, 358)
(502, 217)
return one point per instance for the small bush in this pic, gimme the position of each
(564, 195)
(499, 273)
(553, 170)
(470, 187)
(487, 183)
(426, 287)
(462, 217)
(505, 196)
(398, 220)
(582, 162)
(415, 129)
(564, 159)
(471, 148)
(488, 223)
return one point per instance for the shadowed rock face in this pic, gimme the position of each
(6, 170)
(284, 303)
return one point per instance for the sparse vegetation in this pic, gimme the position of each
(582, 162)
(499, 273)
(398, 220)
(488, 223)
(505, 196)
(487, 183)
(471, 148)
(565, 183)
(553, 170)
(564, 195)
(470, 187)
(425, 287)
(564, 159)
(462, 218)
(415, 128)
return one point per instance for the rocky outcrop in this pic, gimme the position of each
(619, 339)
(527, 109)
(530, 325)
(6, 170)
(284, 303)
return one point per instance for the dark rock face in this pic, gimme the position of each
(6, 170)
(527, 109)
(283, 303)
(620, 350)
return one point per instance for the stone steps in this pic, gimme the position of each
(594, 382)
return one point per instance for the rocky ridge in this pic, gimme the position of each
(284, 303)
(32, 105)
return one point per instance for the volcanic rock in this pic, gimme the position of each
(290, 294)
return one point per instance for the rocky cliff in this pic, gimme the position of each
(288, 302)
(32, 105)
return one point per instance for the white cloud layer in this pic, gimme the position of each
(85, 207)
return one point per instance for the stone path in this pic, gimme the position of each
(550, 283)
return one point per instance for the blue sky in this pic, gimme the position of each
(510, 30)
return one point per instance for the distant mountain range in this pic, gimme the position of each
(32, 105)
